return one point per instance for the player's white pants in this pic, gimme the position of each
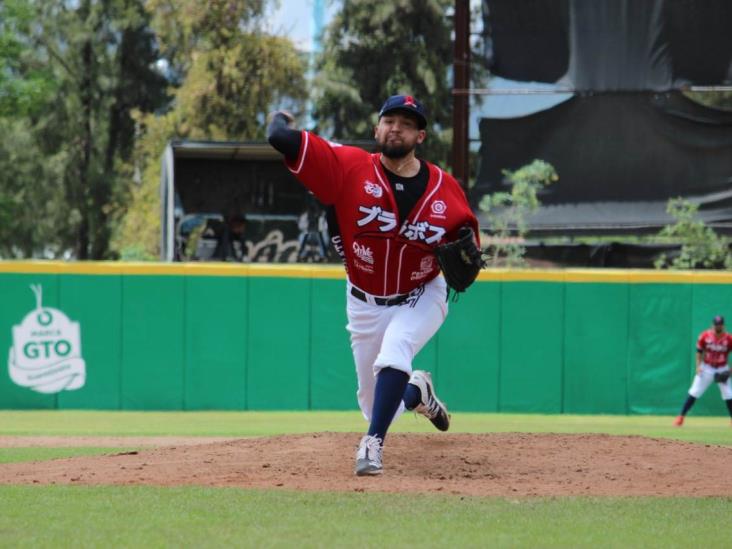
(705, 378)
(392, 336)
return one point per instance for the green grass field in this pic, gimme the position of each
(65, 516)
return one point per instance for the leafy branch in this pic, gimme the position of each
(701, 247)
(507, 212)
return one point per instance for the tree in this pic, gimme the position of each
(27, 213)
(107, 72)
(230, 74)
(31, 194)
(24, 82)
(508, 212)
(701, 247)
(100, 54)
(372, 50)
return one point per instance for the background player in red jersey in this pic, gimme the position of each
(392, 209)
(712, 348)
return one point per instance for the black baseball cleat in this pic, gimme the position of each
(430, 406)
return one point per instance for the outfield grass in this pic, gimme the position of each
(708, 430)
(197, 517)
(66, 516)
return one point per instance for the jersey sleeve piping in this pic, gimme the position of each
(303, 153)
(384, 185)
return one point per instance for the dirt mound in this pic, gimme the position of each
(506, 464)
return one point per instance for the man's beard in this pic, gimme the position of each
(395, 152)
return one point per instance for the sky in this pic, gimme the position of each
(294, 18)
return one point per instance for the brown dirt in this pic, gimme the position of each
(508, 464)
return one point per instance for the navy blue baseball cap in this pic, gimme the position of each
(405, 103)
(719, 319)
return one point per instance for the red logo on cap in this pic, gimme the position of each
(409, 102)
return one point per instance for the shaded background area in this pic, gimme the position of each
(620, 157)
(628, 140)
(606, 107)
(204, 184)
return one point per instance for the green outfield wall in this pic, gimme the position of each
(272, 337)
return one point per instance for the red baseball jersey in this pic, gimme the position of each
(715, 348)
(384, 255)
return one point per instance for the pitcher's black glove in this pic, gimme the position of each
(460, 260)
(721, 377)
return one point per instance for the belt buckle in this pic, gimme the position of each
(398, 300)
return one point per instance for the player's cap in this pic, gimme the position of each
(718, 320)
(405, 103)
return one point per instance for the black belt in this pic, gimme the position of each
(388, 301)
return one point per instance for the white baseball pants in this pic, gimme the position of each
(391, 336)
(705, 378)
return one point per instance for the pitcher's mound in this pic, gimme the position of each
(507, 464)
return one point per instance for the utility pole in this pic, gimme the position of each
(460, 101)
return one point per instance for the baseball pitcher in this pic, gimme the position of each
(402, 221)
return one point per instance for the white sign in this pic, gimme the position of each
(46, 351)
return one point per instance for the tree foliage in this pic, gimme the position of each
(701, 247)
(99, 55)
(230, 76)
(372, 50)
(31, 194)
(28, 186)
(507, 212)
(24, 81)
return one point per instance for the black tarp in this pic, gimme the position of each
(619, 157)
(609, 45)
(527, 40)
(616, 255)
